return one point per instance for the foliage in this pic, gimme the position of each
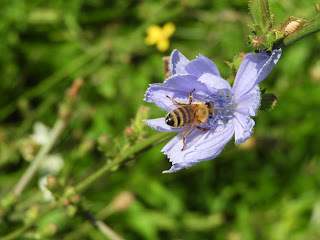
(267, 188)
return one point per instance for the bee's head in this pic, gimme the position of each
(210, 108)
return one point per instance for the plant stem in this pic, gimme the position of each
(159, 137)
(27, 176)
(75, 66)
(94, 223)
(313, 27)
(140, 146)
(107, 231)
(17, 233)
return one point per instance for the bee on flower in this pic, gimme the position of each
(229, 108)
(159, 36)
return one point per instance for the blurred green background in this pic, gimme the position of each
(265, 189)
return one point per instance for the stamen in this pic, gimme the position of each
(224, 107)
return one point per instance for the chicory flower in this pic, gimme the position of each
(233, 106)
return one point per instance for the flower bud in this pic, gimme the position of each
(65, 112)
(71, 210)
(138, 123)
(52, 183)
(249, 144)
(7, 201)
(104, 140)
(122, 201)
(86, 146)
(268, 101)
(237, 60)
(317, 6)
(32, 213)
(73, 91)
(260, 13)
(128, 131)
(48, 230)
(260, 42)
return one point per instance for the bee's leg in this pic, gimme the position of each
(191, 96)
(184, 143)
(185, 134)
(174, 101)
(203, 129)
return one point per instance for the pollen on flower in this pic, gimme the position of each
(159, 36)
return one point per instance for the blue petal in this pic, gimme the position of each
(243, 127)
(178, 87)
(214, 143)
(173, 149)
(200, 146)
(202, 65)
(253, 69)
(160, 125)
(177, 63)
(214, 83)
(178, 166)
(250, 101)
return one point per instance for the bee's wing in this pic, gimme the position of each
(186, 132)
(173, 107)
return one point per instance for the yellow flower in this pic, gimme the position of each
(160, 36)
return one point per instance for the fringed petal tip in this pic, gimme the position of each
(177, 62)
(147, 95)
(243, 127)
(202, 147)
(254, 69)
(251, 101)
(202, 65)
(178, 166)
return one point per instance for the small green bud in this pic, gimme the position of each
(71, 210)
(260, 42)
(104, 141)
(128, 131)
(317, 7)
(237, 60)
(268, 101)
(138, 123)
(86, 146)
(32, 213)
(260, 13)
(8, 201)
(234, 66)
(48, 230)
(122, 201)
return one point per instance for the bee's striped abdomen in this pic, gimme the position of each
(178, 117)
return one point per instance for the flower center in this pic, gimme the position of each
(224, 105)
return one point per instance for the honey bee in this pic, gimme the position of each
(189, 115)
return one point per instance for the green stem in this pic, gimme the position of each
(159, 137)
(27, 176)
(310, 29)
(86, 226)
(107, 231)
(17, 233)
(313, 27)
(73, 68)
(140, 146)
